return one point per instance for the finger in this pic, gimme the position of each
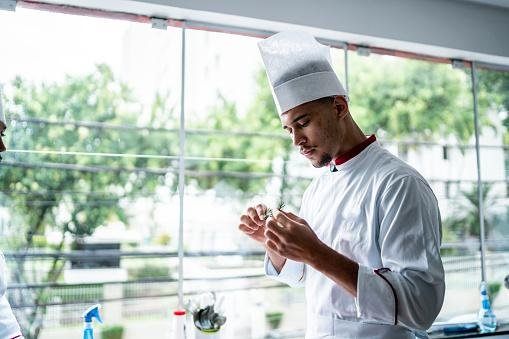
(262, 211)
(283, 219)
(244, 219)
(269, 234)
(245, 229)
(253, 214)
(275, 227)
(294, 217)
(271, 245)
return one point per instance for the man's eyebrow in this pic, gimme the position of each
(296, 119)
(299, 117)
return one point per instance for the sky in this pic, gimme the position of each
(44, 47)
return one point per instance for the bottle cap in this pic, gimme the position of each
(179, 312)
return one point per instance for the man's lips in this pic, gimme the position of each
(307, 152)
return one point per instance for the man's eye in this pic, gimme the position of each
(304, 123)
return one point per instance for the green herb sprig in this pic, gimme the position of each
(270, 212)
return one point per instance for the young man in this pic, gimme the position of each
(366, 242)
(9, 327)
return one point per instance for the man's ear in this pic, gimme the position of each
(341, 106)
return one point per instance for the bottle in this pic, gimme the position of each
(179, 324)
(91, 313)
(486, 318)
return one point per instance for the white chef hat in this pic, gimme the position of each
(299, 69)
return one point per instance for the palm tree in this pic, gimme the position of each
(464, 221)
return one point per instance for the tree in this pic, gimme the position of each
(413, 100)
(262, 140)
(464, 221)
(76, 193)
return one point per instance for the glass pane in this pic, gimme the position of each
(92, 106)
(237, 156)
(422, 112)
(493, 107)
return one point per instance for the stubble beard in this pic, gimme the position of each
(324, 161)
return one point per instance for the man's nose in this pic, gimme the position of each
(298, 138)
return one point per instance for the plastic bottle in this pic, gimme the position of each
(179, 324)
(91, 313)
(486, 318)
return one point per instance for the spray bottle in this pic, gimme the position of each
(90, 313)
(486, 318)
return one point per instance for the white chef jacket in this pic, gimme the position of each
(380, 212)
(9, 327)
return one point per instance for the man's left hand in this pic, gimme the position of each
(290, 236)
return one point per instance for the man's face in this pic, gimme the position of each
(315, 129)
(2, 129)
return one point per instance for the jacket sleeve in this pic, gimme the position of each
(409, 288)
(293, 273)
(9, 327)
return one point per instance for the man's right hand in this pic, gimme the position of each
(252, 223)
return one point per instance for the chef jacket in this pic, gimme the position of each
(380, 212)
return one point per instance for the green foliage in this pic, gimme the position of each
(148, 271)
(163, 239)
(262, 117)
(274, 319)
(39, 241)
(87, 190)
(494, 95)
(112, 332)
(493, 290)
(406, 99)
(464, 220)
(75, 193)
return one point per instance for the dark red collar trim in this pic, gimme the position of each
(355, 150)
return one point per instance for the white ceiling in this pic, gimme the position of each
(459, 29)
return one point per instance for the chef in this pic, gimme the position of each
(9, 327)
(366, 242)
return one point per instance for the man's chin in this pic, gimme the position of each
(319, 164)
(323, 161)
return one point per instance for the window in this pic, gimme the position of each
(89, 188)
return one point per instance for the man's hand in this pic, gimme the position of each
(253, 223)
(290, 236)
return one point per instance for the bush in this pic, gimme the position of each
(149, 271)
(39, 241)
(112, 332)
(493, 289)
(274, 319)
(163, 239)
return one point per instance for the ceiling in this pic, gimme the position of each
(497, 3)
(471, 30)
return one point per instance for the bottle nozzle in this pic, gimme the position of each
(92, 312)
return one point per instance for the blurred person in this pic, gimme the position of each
(9, 327)
(366, 242)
